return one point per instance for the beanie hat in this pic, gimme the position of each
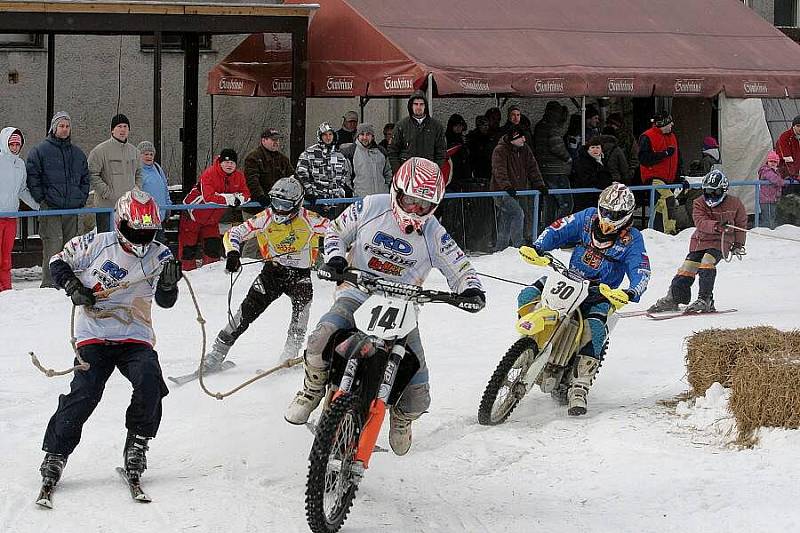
(773, 156)
(119, 119)
(58, 116)
(709, 143)
(796, 121)
(661, 119)
(15, 138)
(515, 133)
(365, 127)
(228, 154)
(146, 146)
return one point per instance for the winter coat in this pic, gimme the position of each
(262, 168)
(372, 173)
(514, 168)
(457, 167)
(324, 171)
(13, 177)
(413, 138)
(788, 146)
(154, 183)
(480, 156)
(344, 136)
(115, 169)
(58, 174)
(770, 194)
(708, 224)
(549, 147)
(211, 185)
(589, 173)
(654, 162)
(614, 159)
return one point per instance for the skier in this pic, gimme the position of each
(115, 331)
(712, 239)
(607, 248)
(287, 236)
(394, 236)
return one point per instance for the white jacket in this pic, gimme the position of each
(13, 177)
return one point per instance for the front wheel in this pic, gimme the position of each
(505, 388)
(332, 477)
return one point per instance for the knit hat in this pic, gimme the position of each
(119, 119)
(15, 138)
(661, 119)
(515, 133)
(146, 146)
(709, 143)
(58, 116)
(350, 115)
(773, 156)
(228, 154)
(796, 121)
(365, 127)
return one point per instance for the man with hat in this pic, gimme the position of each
(659, 163)
(372, 173)
(115, 169)
(347, 133)
(788, 148)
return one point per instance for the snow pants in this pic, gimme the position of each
(198, 241)
(416, 397)
(701, 263)
(666, 207)
(138, 363)
(8, 232)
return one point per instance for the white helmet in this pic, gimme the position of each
(715, 187)
(136, 221)
(614, 213)
(286, 197)
(417, 189)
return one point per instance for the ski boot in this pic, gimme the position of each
(222, 345)
(134, 457)
(400, 430)
(701, 305)
(306, 400)
(667, 303)
(583, 376)
(52, 467)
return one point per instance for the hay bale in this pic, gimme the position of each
(711, 354)
(764, 388)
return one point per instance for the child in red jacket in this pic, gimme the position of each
(714, 213)
(199, 237)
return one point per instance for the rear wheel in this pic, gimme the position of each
(332, 475)
(505, 388)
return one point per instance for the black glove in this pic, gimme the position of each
(171, 274)
(262, 199)
(685, 185)
(511, 192)
(311, 198)
(80, 294)
(669, 151)
(472, 300)
(738, 250)
(333, 269)
(233, 262)
(543, 190)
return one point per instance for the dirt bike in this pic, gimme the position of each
(545, 355)
(369, 364)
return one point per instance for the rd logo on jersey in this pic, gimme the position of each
(391, 243)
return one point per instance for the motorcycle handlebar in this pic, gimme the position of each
(370, 284)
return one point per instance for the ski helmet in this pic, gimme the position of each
(417, 188)
(286, 197)
(614, 213)
(325, 128)
(715, 187)
(136, 221)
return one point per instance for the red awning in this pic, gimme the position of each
(526, 48)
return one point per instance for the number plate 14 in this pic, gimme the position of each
(386, 318)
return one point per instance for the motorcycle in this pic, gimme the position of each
(552, 333)
(369, 364)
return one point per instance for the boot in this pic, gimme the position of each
(667, 303)
(306, 400)
(134, 455)
(222, 345)
(701, 305)
(400, 430)
(582, 379)
(51, 468)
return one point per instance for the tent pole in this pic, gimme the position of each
(583, 120)
(430, 94)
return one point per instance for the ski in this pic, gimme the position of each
(45, 498)
(677, 314)
(628, 314)
(134, 486)
(312, 427)
(183, 380)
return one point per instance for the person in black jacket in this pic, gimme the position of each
(417, 135)
(590, 172)
(58, 178)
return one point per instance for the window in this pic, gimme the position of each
(172, 42)
(786, 13)
(21, 40)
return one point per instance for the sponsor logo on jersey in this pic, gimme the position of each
(591, 258)
(459, 256)
(166, 254)
(114, 270)
(447, 243)
(392, 243)
(385, 267)
(389, 255)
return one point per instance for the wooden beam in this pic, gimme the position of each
(271, 10)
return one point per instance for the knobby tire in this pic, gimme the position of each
(499, 378)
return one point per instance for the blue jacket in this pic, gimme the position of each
(58, 174)
(627, 256)
(154, 183)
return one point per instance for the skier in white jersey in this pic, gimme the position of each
(115, 331)
(394, 236)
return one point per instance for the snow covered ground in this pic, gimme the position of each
(630, 465)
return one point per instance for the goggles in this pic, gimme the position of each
(612, 216)
(414, 205)
(282, 205)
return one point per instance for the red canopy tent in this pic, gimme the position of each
(525, 48)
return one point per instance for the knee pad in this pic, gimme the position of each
(212, 247)
(191, 252)
(416, 399)
(316, 343)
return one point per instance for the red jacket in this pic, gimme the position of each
(708, 222)
(667, 168)
(788, 146)
(210, 184)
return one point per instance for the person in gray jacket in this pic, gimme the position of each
(58, 178)
(372, 173)
(115, 169)
(554, 161)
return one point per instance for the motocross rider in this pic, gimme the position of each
(394, 236)
(606, 249)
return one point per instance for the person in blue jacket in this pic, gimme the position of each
(606, 250)
(154, 182)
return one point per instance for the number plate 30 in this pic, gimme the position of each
(386, 318)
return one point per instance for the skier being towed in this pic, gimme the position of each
(115, 331)
(374, 230)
